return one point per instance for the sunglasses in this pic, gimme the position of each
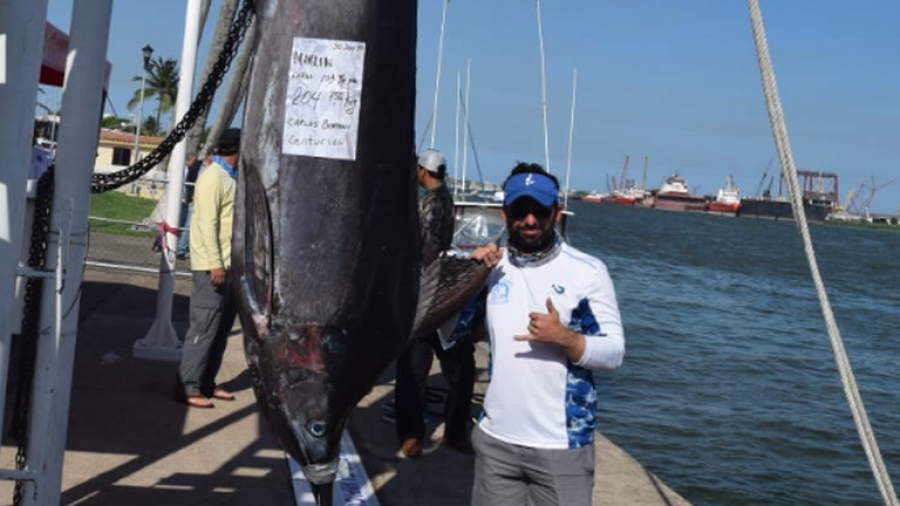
(520, 209)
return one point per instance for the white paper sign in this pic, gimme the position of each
(321, 116)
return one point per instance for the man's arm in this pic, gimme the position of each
(489, 255)
(600, 342)
(207, 201)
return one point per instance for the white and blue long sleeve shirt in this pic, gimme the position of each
(537, 397)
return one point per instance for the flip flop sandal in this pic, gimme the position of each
(223, 395)
(199, 401)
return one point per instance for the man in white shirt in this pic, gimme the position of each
(553, 320)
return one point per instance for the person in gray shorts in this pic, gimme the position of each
(553, 320)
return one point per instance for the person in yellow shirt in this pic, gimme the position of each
(212, 306)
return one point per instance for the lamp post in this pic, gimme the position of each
(148, 52)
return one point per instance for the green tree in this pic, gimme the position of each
(162, 84)
(115, 122)
(150, 127)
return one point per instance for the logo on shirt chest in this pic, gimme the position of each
(499, 293)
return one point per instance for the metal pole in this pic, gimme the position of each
(67, 246)
(161, 341)
(466, 124)
(147, 52)
(537, 4)
(437, 79)
(456, 142)
(571, 135)
(22, 27)
(137, 128)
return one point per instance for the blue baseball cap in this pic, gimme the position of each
(530, 184)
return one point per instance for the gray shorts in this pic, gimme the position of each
(513, 475)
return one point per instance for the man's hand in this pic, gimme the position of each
(546, 328)
(217, 276)
(489, 255)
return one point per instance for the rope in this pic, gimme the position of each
(779, 131)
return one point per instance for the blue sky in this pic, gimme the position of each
(676, 82)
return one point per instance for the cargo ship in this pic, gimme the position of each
(818, 201)
(673, 195)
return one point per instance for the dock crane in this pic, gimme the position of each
(622, 177)
(872, 189)
(768, 192)
(848, 200)
(763, 180)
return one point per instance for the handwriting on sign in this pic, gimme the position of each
(316, 142)
(323, 98)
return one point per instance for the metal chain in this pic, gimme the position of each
(31, 316)
(104, 182)
(100, 183)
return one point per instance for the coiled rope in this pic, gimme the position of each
(779, 132)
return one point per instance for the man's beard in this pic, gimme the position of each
(530, 245)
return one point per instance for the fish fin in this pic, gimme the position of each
(445, 286)
(258, 247)
(429, 279)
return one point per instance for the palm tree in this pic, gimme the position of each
(41, 105)
(162, 83)
(151, 127)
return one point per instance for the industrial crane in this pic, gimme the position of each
(872, 189)
(624, 170)
(763, 180)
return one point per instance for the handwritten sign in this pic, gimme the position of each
(321, 116)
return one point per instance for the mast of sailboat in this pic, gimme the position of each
(571, 133)
(456, 142)
(466, 123)
(537, 4)
(437, 79)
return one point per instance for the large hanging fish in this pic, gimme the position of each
(326, 243)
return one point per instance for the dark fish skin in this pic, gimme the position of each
(325, 251)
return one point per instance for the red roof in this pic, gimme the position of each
(114, 136)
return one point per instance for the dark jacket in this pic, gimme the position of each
(436, 221)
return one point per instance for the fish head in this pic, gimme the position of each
(289, 365)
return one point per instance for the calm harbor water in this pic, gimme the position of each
(729, 391)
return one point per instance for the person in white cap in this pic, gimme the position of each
(458, 362)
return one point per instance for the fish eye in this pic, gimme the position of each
(316, 428)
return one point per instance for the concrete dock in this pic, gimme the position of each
(130, 443)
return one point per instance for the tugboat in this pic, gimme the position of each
(628, 195)
(727, 201)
